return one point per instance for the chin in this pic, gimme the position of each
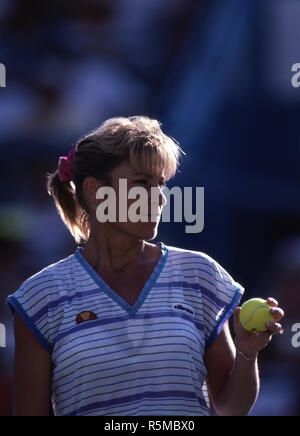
(148, 235)
(145, 231)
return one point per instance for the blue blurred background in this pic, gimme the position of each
(217, 74)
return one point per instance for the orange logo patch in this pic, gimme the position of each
(85, 316)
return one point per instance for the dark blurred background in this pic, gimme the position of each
(217, 74)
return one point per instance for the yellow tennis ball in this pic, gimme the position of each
(254, 315)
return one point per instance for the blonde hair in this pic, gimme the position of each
(138, 139)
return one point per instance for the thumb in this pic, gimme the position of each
(238, 328)
(240, 332)
(236, 318)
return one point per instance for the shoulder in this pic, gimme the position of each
(210, 274)
(191, 257)
(44, 282)
(57, 270)
(35, 298)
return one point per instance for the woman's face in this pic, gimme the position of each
(133, 215)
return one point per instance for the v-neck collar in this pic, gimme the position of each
(131, 309)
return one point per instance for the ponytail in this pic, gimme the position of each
(73, 215)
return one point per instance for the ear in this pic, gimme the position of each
(90, 186)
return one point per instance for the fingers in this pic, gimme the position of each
(277, 313)
(272, 302)
(275, 310)
(274, 328)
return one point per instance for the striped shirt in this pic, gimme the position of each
(111, 358)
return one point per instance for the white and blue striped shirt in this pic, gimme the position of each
(110, 358)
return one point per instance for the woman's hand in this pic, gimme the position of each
(252, 343)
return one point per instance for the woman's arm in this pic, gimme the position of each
(232, 380)
(32, 373)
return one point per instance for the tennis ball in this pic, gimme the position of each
(254, 315)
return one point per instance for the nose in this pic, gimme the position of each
(157, 199)
(162, 198)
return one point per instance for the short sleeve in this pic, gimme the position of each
(30, 302)
(219, 302)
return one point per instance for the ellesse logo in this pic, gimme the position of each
(85, 316)
(183, 308)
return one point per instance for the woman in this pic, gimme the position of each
(125, 326)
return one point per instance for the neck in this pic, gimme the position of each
(113, 253)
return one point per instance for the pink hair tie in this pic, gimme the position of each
(65, 169)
